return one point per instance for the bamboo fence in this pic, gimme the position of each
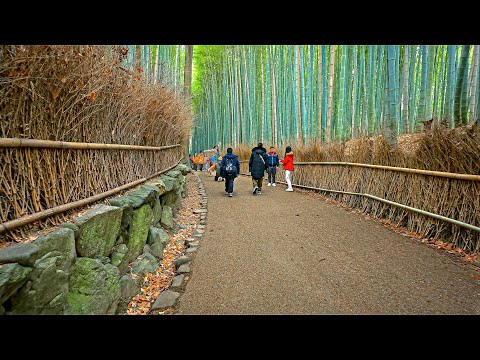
(28, 219)
(73, 126)
(440, 176)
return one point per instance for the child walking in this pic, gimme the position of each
(217, 170)
(288, 166)
(272, 161)
(213, 162)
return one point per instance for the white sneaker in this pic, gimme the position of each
(259, 192)
(289, 189)
(269, 184)
(274, 184)
(255, 189)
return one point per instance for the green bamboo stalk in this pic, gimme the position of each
(364, 108)
(343, 60)
(372, 49)
(330, 93)
(439, 84)
(477, 99)
(379, 87)
(405, 88)
(274, 103)
(349, 100)
(422, 106)
(299, 97)
(354, 90)
(459, 115)
(474, 88)
(417, 88)
(324, 87)
(320, 95)
(430, 73)
(302, 94)
(391, 128)
(411, 86)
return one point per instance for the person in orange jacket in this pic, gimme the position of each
(288, 167)
(200, 161)
(195, 160)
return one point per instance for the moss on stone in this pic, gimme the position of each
(94, 288)
(167, 217)
(98, 230)
(137, 236)
(157, 212)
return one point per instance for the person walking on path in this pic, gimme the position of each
(213, 162)
(207, 161)
(190, 161)
(200, 161)
(229, 170)
(195, 161)
(288, 166)
(272, 162)
(257, 166)
(217, 170)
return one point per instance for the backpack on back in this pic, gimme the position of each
(229, 167)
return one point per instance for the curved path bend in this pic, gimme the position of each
(289, 253)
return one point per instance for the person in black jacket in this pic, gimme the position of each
(257, 167)
(224, 173)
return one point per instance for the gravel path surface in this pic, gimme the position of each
(288, 253)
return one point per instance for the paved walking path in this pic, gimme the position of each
(289, 253)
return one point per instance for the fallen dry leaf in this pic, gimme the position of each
(155, 283)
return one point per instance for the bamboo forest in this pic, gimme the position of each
(239, 180)
(246, 94)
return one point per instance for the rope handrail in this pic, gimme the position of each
(393, 168)
(34, 143)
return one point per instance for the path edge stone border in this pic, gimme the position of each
(184, 276)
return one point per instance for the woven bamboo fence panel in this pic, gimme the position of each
(79, 94)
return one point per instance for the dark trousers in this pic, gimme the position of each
(229, 185)
(272, 171)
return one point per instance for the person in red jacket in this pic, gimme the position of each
(288, 166)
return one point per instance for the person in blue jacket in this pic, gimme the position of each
(229, 170)
(273, 163)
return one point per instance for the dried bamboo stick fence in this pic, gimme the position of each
(451, 199)
(81, 103)
(10, 225)
(42, 178)
(426, 213)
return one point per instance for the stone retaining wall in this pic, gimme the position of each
(83, 267)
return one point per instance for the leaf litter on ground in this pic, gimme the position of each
(155, 283)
